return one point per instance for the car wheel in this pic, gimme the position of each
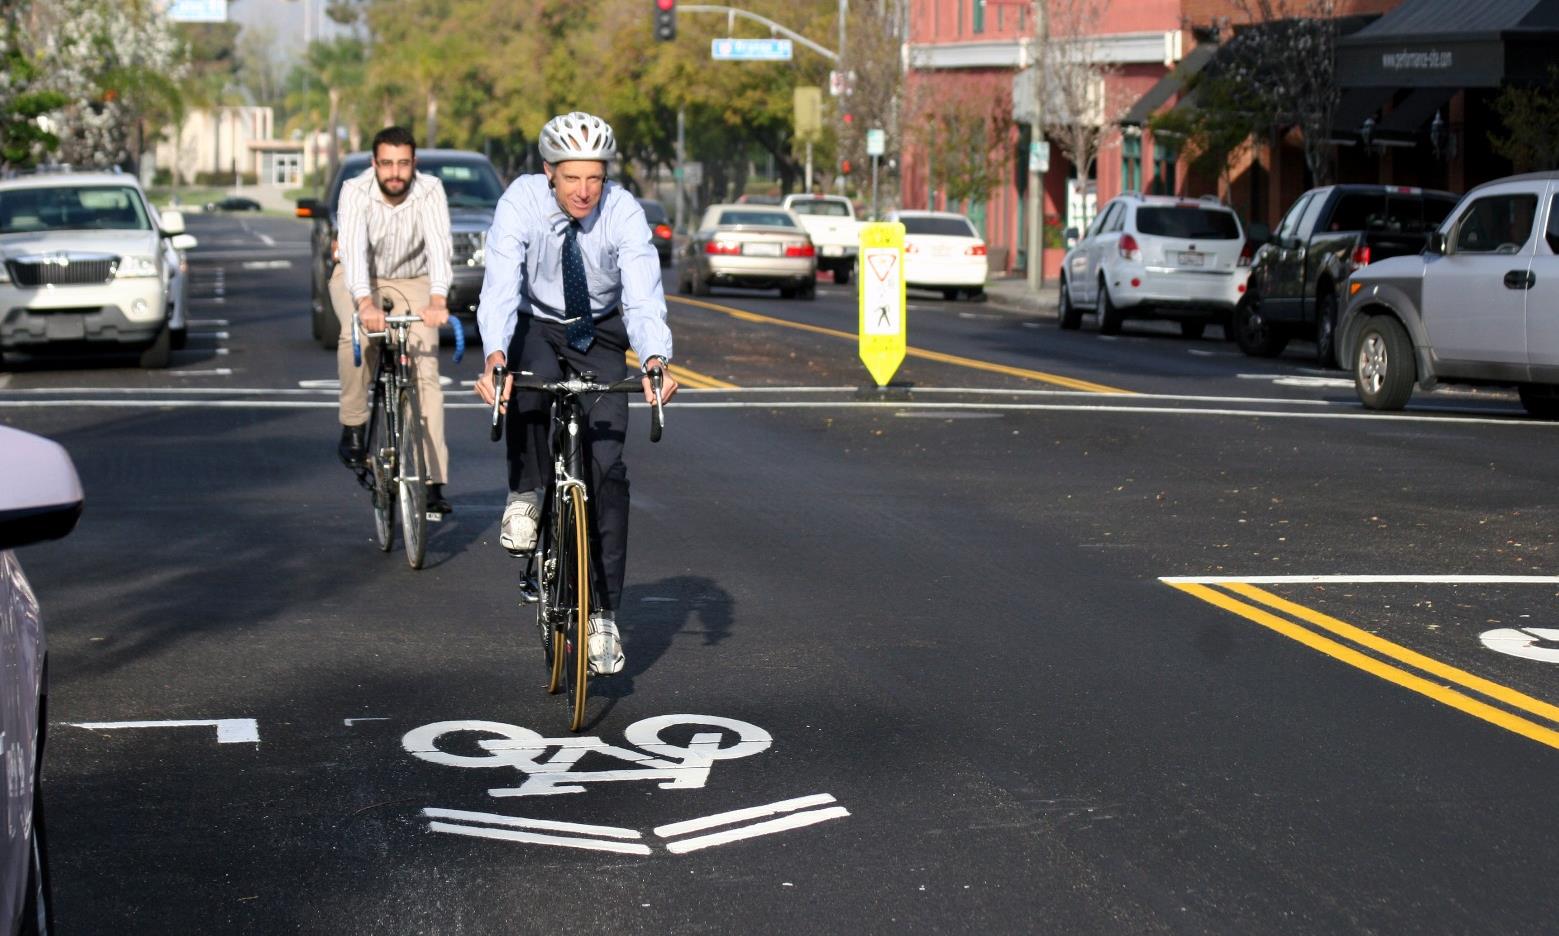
(950, 295)
(1326, 329)
(179, 338)
(808, 290)
(1192, 329)
(1068, 316)
(1541, 401)
(1255, 336)
(841, 276)
(37, 909)
(700, 288)
(159, 352)
(787, 292)
(1383, 369)
(1110, 317)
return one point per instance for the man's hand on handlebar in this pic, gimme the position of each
(437, 312)
(668, 385)
(484, 386)
(370, 315)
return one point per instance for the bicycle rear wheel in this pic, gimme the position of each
(381, 463)
(570, 665)
(413, 483)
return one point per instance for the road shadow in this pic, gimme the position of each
(652, 616)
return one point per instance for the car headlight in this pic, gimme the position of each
(136, 266)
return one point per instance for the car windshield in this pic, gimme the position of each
(821, 206)
(757, 218)
(654, 212)
(468, 183)
(1188, 223)
(948, 227)
(73, 208)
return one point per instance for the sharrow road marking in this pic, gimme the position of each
(536, 838)
(741, 815)
(229, 730)
(1524, 642)
(783, 824)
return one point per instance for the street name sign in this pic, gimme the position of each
(751, 50)
(197, 11)
(883, 337)
(876, 142)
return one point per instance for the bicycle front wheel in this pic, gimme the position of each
(381, 463)
(572, 643)
(413, 483)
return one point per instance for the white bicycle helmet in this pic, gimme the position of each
(577, 136)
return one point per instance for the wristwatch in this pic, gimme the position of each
(644, 367)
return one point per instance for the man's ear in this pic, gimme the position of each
(547, 168)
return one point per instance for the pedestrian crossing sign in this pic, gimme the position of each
(882, 327)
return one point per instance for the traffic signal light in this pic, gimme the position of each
(665, 20)
(845, 167)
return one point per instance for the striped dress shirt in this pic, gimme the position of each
(384, 241)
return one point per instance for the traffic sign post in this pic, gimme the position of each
(883, 330)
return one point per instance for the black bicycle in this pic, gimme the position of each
(557, 578)
(396, 468)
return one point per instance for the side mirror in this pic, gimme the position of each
(1071, 234)
(309, 208)
(1258, 233)
(184, 242)
(172, 223)
(42, 497)
(1436, 243)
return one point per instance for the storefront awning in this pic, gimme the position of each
(1452, 44)
(1166, 87)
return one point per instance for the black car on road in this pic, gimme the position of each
(472, 186)
(660, 228)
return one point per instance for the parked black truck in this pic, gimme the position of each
(1299, 276)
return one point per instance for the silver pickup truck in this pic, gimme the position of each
(1480, 305)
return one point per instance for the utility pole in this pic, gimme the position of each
(680, 172)
(1036, 199)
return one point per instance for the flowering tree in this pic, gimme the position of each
(23, 136)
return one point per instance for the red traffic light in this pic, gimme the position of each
(849, 118)
(665, 5)
(844, 166)
(665, 20)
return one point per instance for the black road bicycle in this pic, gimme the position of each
(558, 579)
(396, 473)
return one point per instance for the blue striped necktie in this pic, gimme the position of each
(576, 292)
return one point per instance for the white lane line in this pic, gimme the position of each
(208, 391)
(333, 383)
(782, 824)
(268, 265)
(742, 815)
(208, 323)
(536, 838)
(1360, 579)
(229, 730)
(268, 239)
(349, 722)
(520, 822)
(210, 372)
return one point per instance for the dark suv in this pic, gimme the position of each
(473, 189)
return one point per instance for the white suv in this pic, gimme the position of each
(1157, 256)
(85, 260)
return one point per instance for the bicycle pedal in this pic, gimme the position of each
(433, 516)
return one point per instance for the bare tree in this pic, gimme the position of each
(1286, 59)
(877, 32)
(966, 133)
(1079, 113)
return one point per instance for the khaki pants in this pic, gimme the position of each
(355, 381)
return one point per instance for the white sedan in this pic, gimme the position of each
(942, 251)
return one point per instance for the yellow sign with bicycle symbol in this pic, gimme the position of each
(883, 329)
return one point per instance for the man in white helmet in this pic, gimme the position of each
(572, 272)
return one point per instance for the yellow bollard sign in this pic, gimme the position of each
(881, 275)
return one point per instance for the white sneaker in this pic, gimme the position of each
(606, 646)
(517, 531)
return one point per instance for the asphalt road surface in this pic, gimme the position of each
(1058, 634)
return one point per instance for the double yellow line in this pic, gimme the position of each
(1223, 594)
(1054, 379)
(689, 378)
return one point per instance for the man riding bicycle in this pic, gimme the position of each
(572, 272)
(394, 241)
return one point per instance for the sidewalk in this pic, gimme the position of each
(1012, 294)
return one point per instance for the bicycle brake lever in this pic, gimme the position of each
(500, 373)
(658, 418)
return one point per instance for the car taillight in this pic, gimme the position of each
(724, 248)
(663, 230)
(1247, 254)
(800, 250)
(1129, 248)
(978, 250)
(910, 247)
(1360, 258)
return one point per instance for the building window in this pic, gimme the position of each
(979, 16)
(1131, 163)
(1165, 156)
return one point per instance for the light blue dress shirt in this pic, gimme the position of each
(525, 266)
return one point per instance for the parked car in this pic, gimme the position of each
(85, 262)
(472, 187)
(752, 246)
(660, 228)
(1157, 256)
(1299, 277)
(233, 203)
(40, 500)
(942, 251)
(1475, 307)
(830, 221)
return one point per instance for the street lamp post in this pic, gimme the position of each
(1036, 199)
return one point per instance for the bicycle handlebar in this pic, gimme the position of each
(358, 334)
(575, 386)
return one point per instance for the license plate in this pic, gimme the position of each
(833, 251)
(65, 326)
(1191, 259)
(761, 250)
(941, 251)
